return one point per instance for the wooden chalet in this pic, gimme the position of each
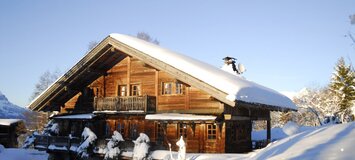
(133, 86)
(10, 130)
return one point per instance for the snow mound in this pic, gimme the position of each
(290, 128)
(141, 148)
(328, 142)
(2, 148)
(112, 149)
(182, 149)
(89, 139)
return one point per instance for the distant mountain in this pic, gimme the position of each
(292, 95)
(10, 110)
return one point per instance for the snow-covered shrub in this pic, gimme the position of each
(290, 128)
(112, 150)
(182, 149)
(51, 128)
(141, 147)
(30, 140)
(331, 120)
(89, 137)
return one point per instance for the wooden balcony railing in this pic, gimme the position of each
(145, 104)
(58, 143)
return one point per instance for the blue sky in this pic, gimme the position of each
(285, 45)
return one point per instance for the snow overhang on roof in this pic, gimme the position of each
(8, 122)
(76, 116)
(177, 116)
(236, 88)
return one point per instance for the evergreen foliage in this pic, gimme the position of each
(343, 87)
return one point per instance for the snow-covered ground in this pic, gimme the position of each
(22, 154)
(328, 142)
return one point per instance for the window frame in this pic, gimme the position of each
(174, 88)
(134, 92)
(159, 132)
(211, 131)
(120, 91)
(182, 130)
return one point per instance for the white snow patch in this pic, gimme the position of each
(2, 148)
(290, 128)
(141, 147)
(73, 148)
(328, 142)
(112, 150)
(182, 149)
(76, 116)
(8, 122)
(178, 116)
(54, 147)
(230, 84)
(22, 154)
(54, 128)
(89, 139)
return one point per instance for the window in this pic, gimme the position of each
(167, 87)
(108, 129)
(133, 131)
(211, 131)
(135, 90)
(179, 87)
(120, 128)
(170, 88)
(122, 90)
(182, 130)
(160, 132)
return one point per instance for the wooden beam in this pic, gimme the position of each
(97, 72)
(128, 76)
(156, 85)
(196, 111)
(268, 132)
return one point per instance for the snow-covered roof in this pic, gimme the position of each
(76, 116)
(178, 116)
(226, 87)
(8, 122)
(237, 88)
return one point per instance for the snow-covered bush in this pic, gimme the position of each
(89, 137)
(112, 149)
(30, 140)
(51, 128)
(331, 120)
(141, 147)
(290, 128)
(182, 149)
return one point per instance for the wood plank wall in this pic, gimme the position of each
(133, 71)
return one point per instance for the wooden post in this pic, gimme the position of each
(128, 76)
(268, 133)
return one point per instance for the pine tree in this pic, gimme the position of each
(343, 87)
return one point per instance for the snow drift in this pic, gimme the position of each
(328, 142)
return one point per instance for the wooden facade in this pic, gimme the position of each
(10, 132)
(122, 85)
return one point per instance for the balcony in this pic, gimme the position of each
(129, 104)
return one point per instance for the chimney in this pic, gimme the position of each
(229, 65)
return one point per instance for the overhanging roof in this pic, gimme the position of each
(223, 86)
